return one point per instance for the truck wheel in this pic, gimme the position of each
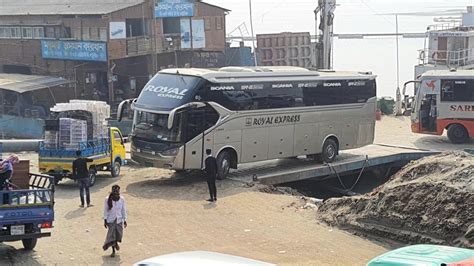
(29, 244)
(330, 150)
(115, 171)
(224, 161)
(458, 134)
(56, 180)
(92, 177)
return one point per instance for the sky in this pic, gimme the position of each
(352, 16)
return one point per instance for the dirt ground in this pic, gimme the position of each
(396, 131)
(169, 214)
(428, 201)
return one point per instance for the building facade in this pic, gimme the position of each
(109, 48)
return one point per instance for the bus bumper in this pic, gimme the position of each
(150, 160)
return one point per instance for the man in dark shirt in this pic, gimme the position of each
(211, 172)
(81, 174)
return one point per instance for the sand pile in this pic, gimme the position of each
(429, 201)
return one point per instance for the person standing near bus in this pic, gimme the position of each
(211, 172)
(433, 113)
(81, 174)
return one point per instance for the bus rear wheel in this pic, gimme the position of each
(458, 134)
(330, 151)
(224, 161)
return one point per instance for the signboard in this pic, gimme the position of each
(118, 30)
(199, 36)
(174, 8)
(74, 50)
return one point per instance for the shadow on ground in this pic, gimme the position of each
(184, 187)
(69, 189)
(12, 256)
(441, 143)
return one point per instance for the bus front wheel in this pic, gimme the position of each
(330, 151)
(224, 161)
(458, 134)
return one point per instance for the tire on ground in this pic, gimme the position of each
(458, 134)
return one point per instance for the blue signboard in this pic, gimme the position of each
(174, 8)
(74, 50)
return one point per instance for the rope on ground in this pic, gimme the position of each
(337, 174)
(366, 162)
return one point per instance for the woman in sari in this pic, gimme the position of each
(115, 216)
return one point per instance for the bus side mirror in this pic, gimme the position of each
(121, 108)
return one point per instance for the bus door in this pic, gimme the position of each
(198, 120)
(428, 113)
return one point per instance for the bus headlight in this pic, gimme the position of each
(170, 152)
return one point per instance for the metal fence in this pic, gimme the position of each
(456, 58)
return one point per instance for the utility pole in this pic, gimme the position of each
(326, 8)
(253, 36)
(192, 45)
(398, 57)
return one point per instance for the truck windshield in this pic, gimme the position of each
(167, 91)
(154, 127)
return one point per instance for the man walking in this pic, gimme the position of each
(81, 174)
(211, 172)
(115, 219)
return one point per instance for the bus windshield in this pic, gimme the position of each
(167, 91)
(154, 127)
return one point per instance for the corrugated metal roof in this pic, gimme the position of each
(63, 7)
(25, 83)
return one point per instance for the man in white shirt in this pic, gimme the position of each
(115, 219)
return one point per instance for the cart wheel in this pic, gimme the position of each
(29, 244)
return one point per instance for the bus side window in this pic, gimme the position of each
(447, 90)
(359, 94)
(320, 95)
(199, 120)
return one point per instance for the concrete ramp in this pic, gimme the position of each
(290, 170)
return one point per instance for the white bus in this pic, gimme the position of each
(444, 100)
(250, 114)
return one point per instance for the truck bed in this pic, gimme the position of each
(60, 160)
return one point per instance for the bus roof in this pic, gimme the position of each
(460, 73)
(234, 74)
